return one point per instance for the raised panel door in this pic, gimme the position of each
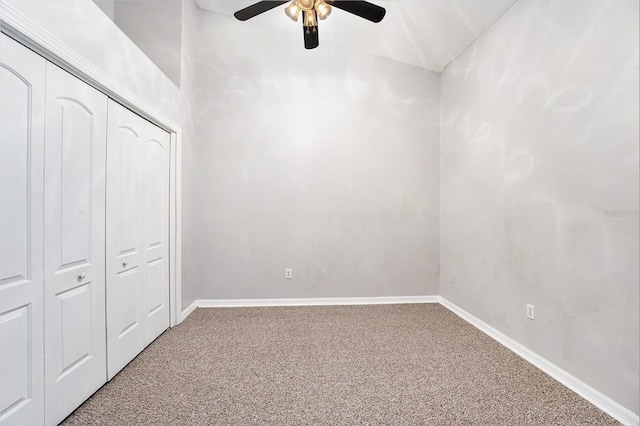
(22, 97)
(75, 330)
(138, 181)
(156, 231)
(125, 238)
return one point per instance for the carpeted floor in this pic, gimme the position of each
(382, 364)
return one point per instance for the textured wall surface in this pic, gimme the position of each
(323, 161)
(539, 202)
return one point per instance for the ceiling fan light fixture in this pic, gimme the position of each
(293, 10)
(323, 9)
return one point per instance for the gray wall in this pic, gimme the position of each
(323, 161)
(107, 6)
(156, 28)
(190, 146)
(539, 194)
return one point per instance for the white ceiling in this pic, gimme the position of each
(425, 33)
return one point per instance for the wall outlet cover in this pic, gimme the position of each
(531, 311)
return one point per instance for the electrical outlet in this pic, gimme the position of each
(288, 273)
(531, 312)
(452, 279)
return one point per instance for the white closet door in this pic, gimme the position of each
(22, 92)
(75, 331)
(137, 235)
(156, 231)
(125, 220)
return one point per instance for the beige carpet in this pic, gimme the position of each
(384, 364)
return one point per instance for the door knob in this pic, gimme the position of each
(81, 277)
(124, 264)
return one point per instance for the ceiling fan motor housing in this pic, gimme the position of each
(306, 5)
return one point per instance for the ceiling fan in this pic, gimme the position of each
(311, 11)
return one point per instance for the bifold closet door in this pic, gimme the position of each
(75, 331)
(138, 154)
(22, 98)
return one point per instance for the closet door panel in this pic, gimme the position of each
(138, 156)
(75, 152)
(75, 176)
(125, 226)
(22, 97)
(17, 359)
(156, 208)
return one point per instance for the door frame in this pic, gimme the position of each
(31, 35)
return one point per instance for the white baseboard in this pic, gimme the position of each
(186, 312)
(324, 301)
(601, 401)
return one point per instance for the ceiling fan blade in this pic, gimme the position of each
(363, 9)
(311, 40)
(256, 9)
